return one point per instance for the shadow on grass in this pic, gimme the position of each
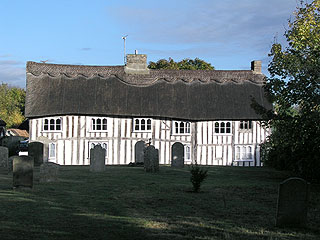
(126, 203)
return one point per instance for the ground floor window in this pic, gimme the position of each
(187, 153)
(52, 150)
(244, 153)
(104, 145)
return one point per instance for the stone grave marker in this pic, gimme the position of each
(4, 153)
(139, 151)
(22, 171)
(49, 172)
(35, 150)
(151, 159)
(292, 203)
(177, 155)
(97, 159)
(10, 164)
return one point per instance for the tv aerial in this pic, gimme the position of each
(124, 48)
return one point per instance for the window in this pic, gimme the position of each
(142, 124)
(245, 125)
(102, 144)
(222, 127)
(244, 153)
(181, 128)
(99, 124)
(187, 153)
(52, 150)
(52, 124)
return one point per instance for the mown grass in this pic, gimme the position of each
(127, 203)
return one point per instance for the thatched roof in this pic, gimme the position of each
(54, 89)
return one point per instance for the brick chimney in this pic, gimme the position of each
(136, 64)
(256, 66)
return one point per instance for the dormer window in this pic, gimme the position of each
(99, 124)
(181, 128)
(222, 127)
(52, 124)
(142, 124)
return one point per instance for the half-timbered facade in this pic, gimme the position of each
(72, 108)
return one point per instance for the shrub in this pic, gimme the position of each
(198, 175)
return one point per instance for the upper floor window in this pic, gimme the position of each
(244, 153)
(99, 124)
(52, 124)
(181, 127)
(142, 124)
(245, 125)
(222, 127)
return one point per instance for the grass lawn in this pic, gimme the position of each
(127, 203)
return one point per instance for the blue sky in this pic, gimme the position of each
(229, 34)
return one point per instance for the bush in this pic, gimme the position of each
(198, 175)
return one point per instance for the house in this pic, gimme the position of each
(17, 132)
(71, 108)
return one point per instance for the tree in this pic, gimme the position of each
(294, 87)
(185, 64)
(12, 101)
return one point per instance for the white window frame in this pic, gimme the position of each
(52, 121)
(52, 147)
(101, 143)
(245, 126)
(177, 126)
(94, 125)
(142, 123)
(222, 125)
(187, 153)
(244, 153)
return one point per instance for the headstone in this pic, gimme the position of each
(97, 159)
(177, 155)
(49, 172)
(292, 203)
(4, 153)
(139, 151)
(22, 171)
(35, 150)
(10, 164)
(46, 141)
(151, 159)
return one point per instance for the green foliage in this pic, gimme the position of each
(294, 87)
(198, 175)
(185, 64)
(12, 101)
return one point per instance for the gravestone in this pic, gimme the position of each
(22, 171)
(10, 164)
(97, 159)
(292, 203)
(49, 172)
(46, 141)
(151, 159)
(177, 155)
(139, 149)
(35, 150)
(4, 153)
